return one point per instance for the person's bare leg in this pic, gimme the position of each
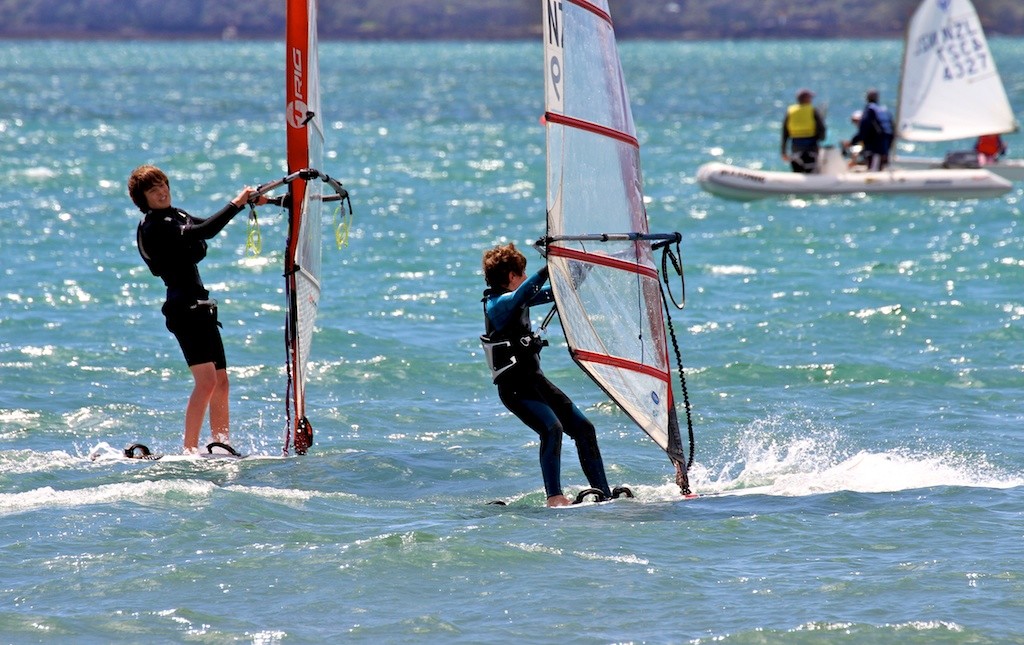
(220, 416)
(205, 376)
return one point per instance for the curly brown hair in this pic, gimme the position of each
(499, 261)
(142, 179)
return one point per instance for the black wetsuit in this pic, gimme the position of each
(528, 394)
(172, 243)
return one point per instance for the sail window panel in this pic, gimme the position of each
(307, 300)
(641, 397)
(610, 311)
(596, 90)
(616, 335)
(595, 205)
(309, 250)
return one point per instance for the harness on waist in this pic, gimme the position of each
(504, 349)
(503, 354)
(191, 309)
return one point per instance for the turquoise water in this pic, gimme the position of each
(858, 359)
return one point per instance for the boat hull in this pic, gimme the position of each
(745, 184)
(1012, 169)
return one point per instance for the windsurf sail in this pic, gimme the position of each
(599, 250)
(949, 85)
(304, 202)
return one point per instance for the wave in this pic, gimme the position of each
(812, 465)
(185, 491)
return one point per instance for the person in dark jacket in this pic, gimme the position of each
(172, 243)
(874, 133)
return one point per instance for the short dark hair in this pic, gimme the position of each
(142, 179)
(499, 261)
(872, 96)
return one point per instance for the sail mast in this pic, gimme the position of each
(304, 204)
(302, 254)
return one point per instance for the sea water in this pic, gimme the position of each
(858, 360)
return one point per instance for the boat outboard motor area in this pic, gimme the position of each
(831, 161)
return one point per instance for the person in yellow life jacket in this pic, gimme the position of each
(989, 148)
(802, 130)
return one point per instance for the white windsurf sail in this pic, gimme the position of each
(304, 202)
(949, 85)
(599, 249)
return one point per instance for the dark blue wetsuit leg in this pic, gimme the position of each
(549, 412)
(536, 414)
(583, 433)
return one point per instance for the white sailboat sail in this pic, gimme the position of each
(304, 202)
(599, 249)
(949, 86)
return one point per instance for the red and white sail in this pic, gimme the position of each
(599, 255)
(305, 141)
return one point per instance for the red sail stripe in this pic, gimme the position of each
(597, 11)
(603, 260)
(603, 130)
(621, 363)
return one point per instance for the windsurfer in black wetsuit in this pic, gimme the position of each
(172, 243)
(513, 354)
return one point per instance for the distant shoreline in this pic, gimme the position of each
(479, 20)
(209, 38)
